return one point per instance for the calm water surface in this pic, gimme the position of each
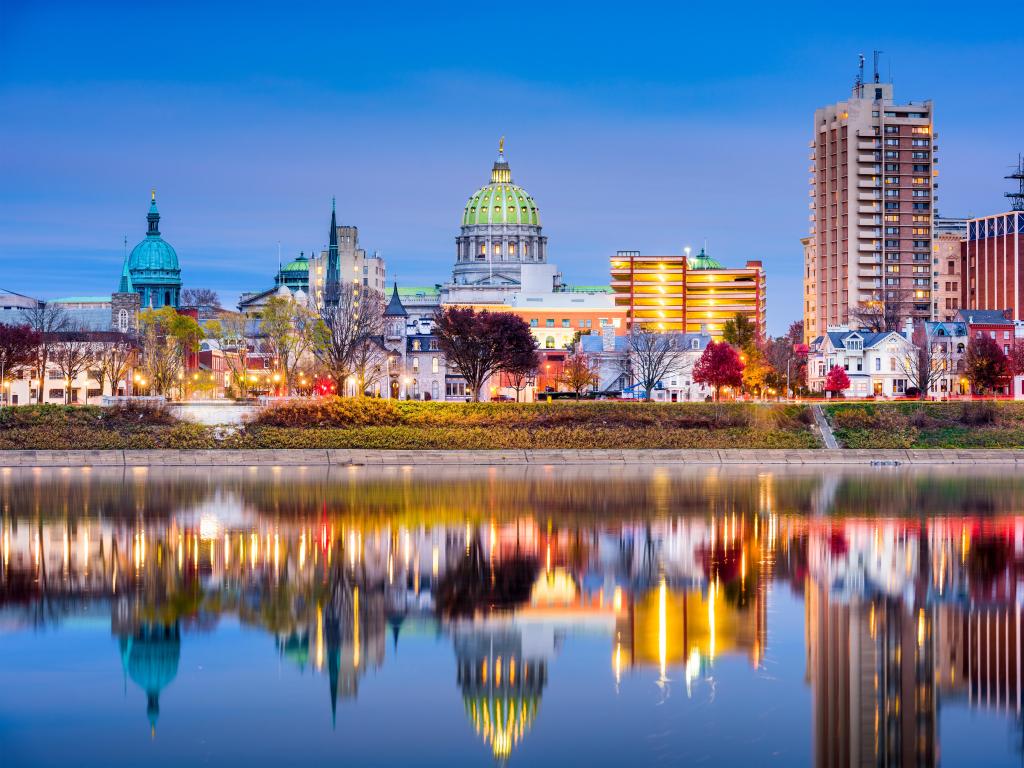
(541, 617)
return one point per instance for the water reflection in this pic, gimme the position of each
(909, 582)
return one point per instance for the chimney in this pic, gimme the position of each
(908, 327)
(608, 338)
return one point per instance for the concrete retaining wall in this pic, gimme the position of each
(315, 457)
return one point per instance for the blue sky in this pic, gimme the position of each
(644, 127)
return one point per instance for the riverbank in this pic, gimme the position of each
(372, 424)
(455, 458)
(922, 425)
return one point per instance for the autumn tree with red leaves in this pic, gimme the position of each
(719, 366)
(837, 381)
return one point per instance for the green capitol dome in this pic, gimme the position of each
(501, 201)
(499, 233)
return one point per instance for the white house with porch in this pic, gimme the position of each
(875, 362)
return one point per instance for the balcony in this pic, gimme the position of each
(870, 184)
(870, 222)
(876, 208)
(869, 247)
(876, 195)
(868, 158)
(869, 144)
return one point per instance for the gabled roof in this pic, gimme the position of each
(871, 338)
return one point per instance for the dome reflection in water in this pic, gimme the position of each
(536, 615)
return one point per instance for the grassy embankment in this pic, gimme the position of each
(980, 424)
(382, 424)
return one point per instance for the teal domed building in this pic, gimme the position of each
(294, 275)
(152, 266)
(500, 232)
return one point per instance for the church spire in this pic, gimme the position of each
(125, 285)
(332, 288)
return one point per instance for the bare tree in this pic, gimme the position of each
(46, 320)
(650, 357)
(199, 297)
(345, 332)
(368, 363)
(884, 315)
(928, 359)
(114, 360)
(72, 353)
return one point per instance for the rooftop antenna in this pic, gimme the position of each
(1016, 198)
(876, 54)
(858, 84)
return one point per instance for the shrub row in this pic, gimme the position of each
(338, 412)
(383, 424)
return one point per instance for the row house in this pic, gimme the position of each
(998, 325)
(877, 364)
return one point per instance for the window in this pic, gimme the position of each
(1006, 335)
(415, 365)
(122, 321)
(549, 342)
(694, 343)
(435, 365)
(878, 364)
(56, 394)
(892, 364)
(549, 322)
(415, 345)
(455, 388)
(534, 322)
(434, 390)
(565, 322)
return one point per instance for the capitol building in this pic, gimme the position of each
(500, 249)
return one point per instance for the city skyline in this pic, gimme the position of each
(247, 137)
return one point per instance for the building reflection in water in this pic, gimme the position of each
(905, 611)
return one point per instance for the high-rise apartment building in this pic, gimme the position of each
(872, 193)
(354, 265)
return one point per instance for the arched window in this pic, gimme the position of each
(435, 390)
(694, 343)
(434, 365)
(167, 298)
(122, 321)
(549, 342)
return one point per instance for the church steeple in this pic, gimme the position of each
(153, 217)
(332, 287)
